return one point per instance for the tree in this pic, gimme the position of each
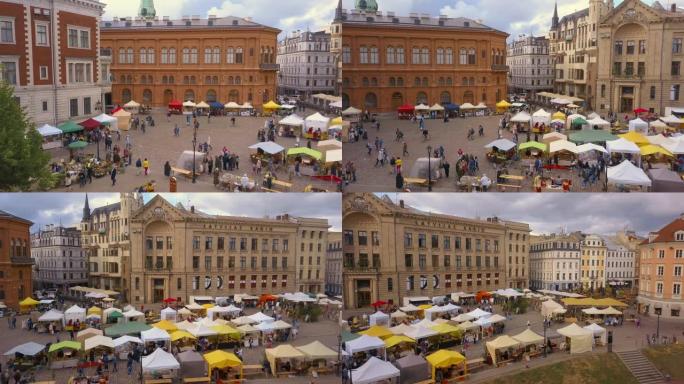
(23, 163)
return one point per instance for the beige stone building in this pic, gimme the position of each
(105, 235)
(517, 251)
(180, 253)
(333, 265)
(555, 261)
(593, 262)
(392, 251)
(641, 55)
(573, 46)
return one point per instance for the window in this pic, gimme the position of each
(78, 38)
(408, 240)
(7, 30)
(73, 107)
(642, 47)
(346, 55)
(348, 237)
(400, 55)
(422, 242)
(9, 72)
(363, 54)
(679, 236)
(440, 55)
(678, 270)
(42, 35)
(86, 106)
(674, 92)
(43, 72)
(618, 47)
(676, 289)
(390, 55)
(678, 253)
(374, 55)
(390, 284)
(630, 47)
(471, 56)
(463, 57)
(641, 68)
(661, 270)
(422, 261)
(363, 238)
(375, 238)
(79, 72)
(677, 45)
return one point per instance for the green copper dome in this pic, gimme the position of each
(147, 9)
(367, 5)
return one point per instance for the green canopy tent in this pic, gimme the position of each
(70, 127)
(114, 316)
(578, 123)
(348, 336)
(532, 145)
(78, 145)
(304, 151)
(130, 328)
(591, 136)
(66, 344)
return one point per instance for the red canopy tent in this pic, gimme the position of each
(169, 300)
(90, 124)
(115, 110)
(264, 298)
(406, 109)
(640, 110)
(176, 105)
(379, 303)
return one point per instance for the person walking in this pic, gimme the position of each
(113, 176)
(146, 166)
(138, 166)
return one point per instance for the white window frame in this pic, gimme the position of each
(78, 43)
(15, 60)
(78, 61)
(47, 33)
(14, 29)
(40, 72)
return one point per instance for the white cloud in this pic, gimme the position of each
(126, 8)
(291, 15)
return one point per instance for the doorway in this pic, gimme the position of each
(158, 290)
(363, 293)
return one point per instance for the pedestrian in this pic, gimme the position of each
(405, 151)
(113, 176)
(146, 166)
(138, 166)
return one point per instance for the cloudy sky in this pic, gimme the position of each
(287, 16)
(590, 213)
(51, 208)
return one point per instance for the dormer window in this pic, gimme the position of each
(679, 236)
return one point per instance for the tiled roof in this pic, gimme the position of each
(8, 216)
(667, 233)
(187, 23)
(417, 21)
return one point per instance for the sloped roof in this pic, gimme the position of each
(8, 216)
(667, 233)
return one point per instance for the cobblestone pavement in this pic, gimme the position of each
(625, 337)
(452, 136)
(325, 330)
(159, 145)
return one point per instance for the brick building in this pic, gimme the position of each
(15, 259)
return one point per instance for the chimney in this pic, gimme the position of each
(673, 7)
(401, 203)
(192, 209)
(652, 236)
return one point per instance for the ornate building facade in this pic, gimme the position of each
(50, 53)
(530, 65)
(640, 58)
(218, 59)
(662, 271)
(390, 60)
(333, 265)
(392, 251)
(307, 66)
(593, 264)
(183, 253)
(105, 236)
(555, 261)
(15, 260)
(59, 260)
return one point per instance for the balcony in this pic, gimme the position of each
(361, 269)
(500, 67)
(21, 260)
(628, 76)
(269, 67)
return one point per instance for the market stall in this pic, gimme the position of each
(30, 354)
(283, 357)
(502, 349)
(160, 363)
(268, 152)
(380, 331)
(627, 175)
(532, 149)
(502, 106)
(169, 314)
(529, 340)
(64, 354)
(501, 150)
(541, 118)
(665, 180)
(88, 333)
(379, 318)
(639, 126)
(123, 119)
(132, 106)
(406, 112)
(374, 371)
(591, 136)
(133, 315)
(553, 136)
(580, 340)
(316, 127)
(74, 314)
(570, 122)
(599, 333)
(128, 328)
(520, 119)
(635, 137)
(622, 150)
(52, 317)
(319, 356)
(223, 365)
(291, 126)
(547, 308)
(436, 111)
(175, 106)
(599, 123)
(125, 344)
(193, 365)
(307, 156)
(270, 108)
(52, 136)
(447, 366)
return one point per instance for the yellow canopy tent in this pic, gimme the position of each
(559, 116)
(502, 106)
(208, 306)
(226, 330)
(445, 328)
(396, 340)
(166, 325)
(220, 359)
(270, 107)
(589, 302)
(425, 306)
(651, 149)
(377, 331)
(27, 304)
(123, 118)
(317, 350)
(528, 337)
(95, 311)
(180, 334)
(501, 342)
(635, 137)
(283, 351)
(445, 358)
(336, 121)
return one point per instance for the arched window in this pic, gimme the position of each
(165, 79)
(390, 55)
(193, 56)
(465, 81)
(189, 95)
(392, 82)
(472, 56)
(171, 80)
(123, 79)
(371, 100)
(400, 55)
(374, 59)
(421, 98)
(150, 56)
(468, 97)
(216, 53)
(440, 56)
(400, 81)
(425, 55)
(471, 81)
(238, 80)
(193, 80)
(143, 55)
(129, 79)
(445, 98)
(230, 55)
(363, 54)
(238, 55)
(374, 81)
(426, 82)
(207, 80)
(449, 81)
(172, 55)
(211, 96)
(186, 55)
(208, 58)
(365, 82)
(416, 82)
(214, 80)
(463, 56)
(231, 81)
(415, 55)
(143, 79)
(147, 96)
(397, 100)
(441, 81)
(122, 56)
(449, 56)
(233, 95)
(125, 95)
(164, 56)
(129, 54)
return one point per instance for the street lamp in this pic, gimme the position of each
(545, 342)
(658, 327)
(429, 150)
(194, 149)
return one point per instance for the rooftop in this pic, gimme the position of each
(667, 233)
(4, 215)
(187, 22)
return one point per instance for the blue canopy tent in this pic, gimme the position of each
(216, 105)
(451, 107)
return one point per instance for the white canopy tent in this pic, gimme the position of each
(400, 329)
(434, 310)
(671, 120)
(501, 144)
(125, 340)
(581, 340)
(51, 136)
(159, 360)
(229, 310)
(133, 315)
(562, 145)
(661, 140)
(52, 315)
(541, 117)
(638, 125)
(422, 107)
(622, 145)
(268, 146)
(111, 121)
(548, 306)
(599, 122)
(598, 332)
(169, 313)
(27, 349)
(436, 108)
(379, 318)
(317, 121)
(417, 332)
(409, 308)
(292, 120)
(478, 313)
(521, 117)
(374, 371)
(202, 330)
(364, 343)
(98, 341)
(657, 125)
(463, 317)
(75, 313)
(571, 118)
(351, 111)
(259, 317)
(628, 174)
(677, 147)
(588, 147)
(154, 334)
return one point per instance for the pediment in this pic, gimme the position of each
(365, 203)
(632, 11)
(158, 209)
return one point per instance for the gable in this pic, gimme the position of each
(158, 209)
(630, 11)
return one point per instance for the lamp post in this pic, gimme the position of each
(429, 150)
(545, 342)
(194, 149)
(658, 327)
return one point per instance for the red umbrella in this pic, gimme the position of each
(175, 104)
(169, 300)
(379, 303)
(90, 124)
(640, 110)
(406, 108)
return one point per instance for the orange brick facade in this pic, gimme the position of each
(15, 260)
(385, 83)
(209, 76)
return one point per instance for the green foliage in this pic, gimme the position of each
(23, 163)
(518, 305)
(314, 311)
